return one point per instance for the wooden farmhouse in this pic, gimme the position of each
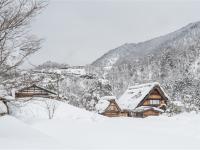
(34, 91)
(107, 106)
(144, 100)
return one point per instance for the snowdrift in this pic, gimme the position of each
(180, 132)
(38, 108)
(14, 134)
(75, 128)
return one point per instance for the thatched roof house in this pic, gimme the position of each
(144, 100)
(107, 106)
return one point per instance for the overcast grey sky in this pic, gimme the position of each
(78, 31)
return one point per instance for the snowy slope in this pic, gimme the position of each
(110, 58)
(14, 134)
(180, 132)
(183, 37)
(172, 60)
(40, 109)
(75, 128)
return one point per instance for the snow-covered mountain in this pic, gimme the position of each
(182, 38)
(114, 55)
(172, 59)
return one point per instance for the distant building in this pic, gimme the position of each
(144, 100)
(34, 91)
(107, 106)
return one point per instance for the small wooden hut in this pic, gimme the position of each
(34, 91)
(144, 100)
(107, 106)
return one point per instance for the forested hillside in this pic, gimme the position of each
(173, 60)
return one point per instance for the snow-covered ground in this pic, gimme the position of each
(15, 134)
(180, 132)
(74, 128)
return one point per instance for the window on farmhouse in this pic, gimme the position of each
(154, 102)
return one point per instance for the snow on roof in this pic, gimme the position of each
(135, 94)
(108, 98)
(103, 103)
(144, 108)
(3, 108)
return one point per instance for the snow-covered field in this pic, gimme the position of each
(15, 134)
(74, 128)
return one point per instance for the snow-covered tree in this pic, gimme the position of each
(16, 43)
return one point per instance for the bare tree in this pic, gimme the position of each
(51, 106)
(16, 43)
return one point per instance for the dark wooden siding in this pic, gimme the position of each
(33, 91)
(113, 110)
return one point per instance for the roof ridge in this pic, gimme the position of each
(145, 84)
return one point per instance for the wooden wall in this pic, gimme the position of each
(30, 92)
(124, 114)
(113, 107)
(111, 114)
(150, 113)
(155, 95)
(18, 95)
(146, 113)
(115, 114)
(113, 110)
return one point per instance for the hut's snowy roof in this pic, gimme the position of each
(144, 108)
(3, 108)
(103, 103)
(135, 94)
